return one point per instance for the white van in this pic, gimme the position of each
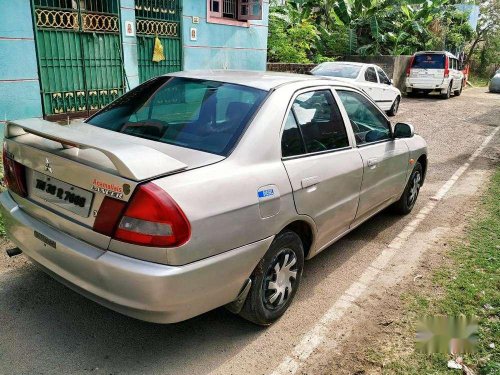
(434, 72)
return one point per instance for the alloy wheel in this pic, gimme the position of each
(414, 189)
(280, 279)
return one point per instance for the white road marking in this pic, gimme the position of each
(316, 336)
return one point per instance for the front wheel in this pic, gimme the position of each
(407, 200)
(394, 107)
(275, 280)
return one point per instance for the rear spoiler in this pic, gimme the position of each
(132, 161)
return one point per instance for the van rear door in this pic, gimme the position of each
(427, 69)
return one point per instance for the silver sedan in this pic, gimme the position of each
(204, 189)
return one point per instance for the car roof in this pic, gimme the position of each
(449, 54)
(257, 79)
(346, 63)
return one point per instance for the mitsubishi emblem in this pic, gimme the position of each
(48, 168)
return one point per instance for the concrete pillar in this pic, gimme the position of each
(129, 44)
(19, 82)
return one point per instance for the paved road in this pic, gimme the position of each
(45, 328)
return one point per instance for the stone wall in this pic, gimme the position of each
(290, 68)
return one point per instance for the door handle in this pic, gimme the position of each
(309, 181)
(372, 163)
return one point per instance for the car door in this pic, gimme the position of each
(324, 168)
(385, 160)
(388, 92)
(370, 85)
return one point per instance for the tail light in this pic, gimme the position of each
(446, 67)
(14, 174)
(151, 218)
(408, 69)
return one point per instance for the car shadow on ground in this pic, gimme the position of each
(53, 329)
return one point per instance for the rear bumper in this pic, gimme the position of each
(414, 85)
(140, 289)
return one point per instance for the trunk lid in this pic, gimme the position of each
(71, 169)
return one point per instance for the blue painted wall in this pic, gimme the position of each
(223, 46)
(19, 84)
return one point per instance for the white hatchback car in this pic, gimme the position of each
(434, 72)
(368, 77)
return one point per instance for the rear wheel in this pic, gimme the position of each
(459, 91)
(448, 92)
(407, 201)
(394, 107)
(275, 280)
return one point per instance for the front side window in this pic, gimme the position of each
(199, 114)
(370, 75)
(319, 122)
(383, 77)
(368, 124)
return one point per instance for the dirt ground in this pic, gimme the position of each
(46, 328)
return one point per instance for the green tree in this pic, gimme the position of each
(293, 36)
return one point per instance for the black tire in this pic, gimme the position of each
(411, 94)
(448, 92)
(395, 106)
(407, 200)
(258, 307)
(459, 92)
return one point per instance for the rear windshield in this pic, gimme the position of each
(198, 114)
(428, 61)
(337, 70)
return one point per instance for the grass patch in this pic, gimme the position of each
(470, 286)
(479, 81)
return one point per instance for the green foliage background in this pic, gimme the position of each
(312, 31)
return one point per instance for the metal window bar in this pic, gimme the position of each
(229, 9)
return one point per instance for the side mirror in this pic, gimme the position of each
(392, 82)
(403, 130)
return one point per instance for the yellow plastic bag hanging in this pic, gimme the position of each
(158, 54)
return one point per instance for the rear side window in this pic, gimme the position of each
(370, 75)
(204, 115)
(429, 61)
(317, 118)
(291, 141)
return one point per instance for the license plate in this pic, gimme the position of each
(62, 194)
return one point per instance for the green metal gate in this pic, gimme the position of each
(79, 55)
(160, 18)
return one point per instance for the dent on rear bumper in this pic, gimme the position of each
(143, 290)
